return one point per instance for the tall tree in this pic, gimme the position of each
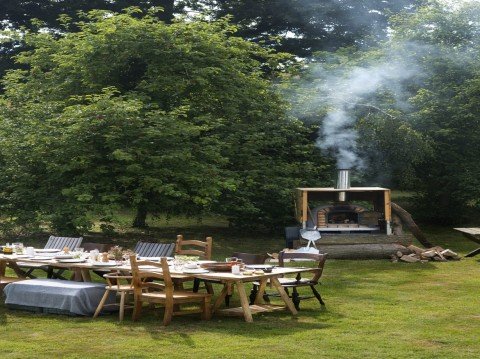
(302, 27)
(30, 14)
(18, 13)
(135, 112)
(446, 107)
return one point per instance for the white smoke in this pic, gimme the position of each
(342, 93)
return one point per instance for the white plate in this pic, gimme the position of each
(155, 259)
(71, 260)
(63, 256)
(42, 258)
(50, 250)
(259, 266)
(195, 271)
(24, 256)
(104, 264)
(205, 262)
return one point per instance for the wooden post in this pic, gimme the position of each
(304, 209)
(388, 211)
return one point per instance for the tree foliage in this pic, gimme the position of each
(302, 27)
(130, 111)
(446, 108)
(55, 14)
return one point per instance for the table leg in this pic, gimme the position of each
(473, 253)
(261, 291)
(3, 267)
(220, 298)
(247, 313)
(284, 295)
(85, 274)
(18, 271)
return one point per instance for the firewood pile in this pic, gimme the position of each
(423, 255)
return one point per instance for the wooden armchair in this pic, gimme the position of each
(298, 281)
(164, 294)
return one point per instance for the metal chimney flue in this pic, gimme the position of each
(343, 182)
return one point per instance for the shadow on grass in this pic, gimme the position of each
(181, 330)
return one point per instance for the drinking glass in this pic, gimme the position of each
(18, 247)
(30, 251)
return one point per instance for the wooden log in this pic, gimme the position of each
(436, 249)
(447, 253)
(362, 251)
(439, 255)
(365, 238)
(410, 223)
(409, 259)
(428, 254)
(416, 250)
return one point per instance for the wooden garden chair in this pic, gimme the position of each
(149, 249)
(122, 285)
(164, 294)
(201, 249)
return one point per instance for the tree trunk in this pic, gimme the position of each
(362, 251)
(140, 220)
(412, 226)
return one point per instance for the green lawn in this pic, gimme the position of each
(375, 309)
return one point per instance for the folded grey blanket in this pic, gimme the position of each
(80, 298)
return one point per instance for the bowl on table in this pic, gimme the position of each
(218, 266)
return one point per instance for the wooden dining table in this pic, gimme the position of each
(81, 270)
(82, 273)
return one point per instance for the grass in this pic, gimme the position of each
(375, 309)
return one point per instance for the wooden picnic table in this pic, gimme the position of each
(473, 234)
(246, 310)
(82, 273)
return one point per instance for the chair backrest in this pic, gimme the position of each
(319, 258)
(138, 275)
(101, 247)
(62, 242)
(148, 249)
(194, 247)
(251, 258)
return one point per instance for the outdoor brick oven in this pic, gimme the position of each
(344, 209)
